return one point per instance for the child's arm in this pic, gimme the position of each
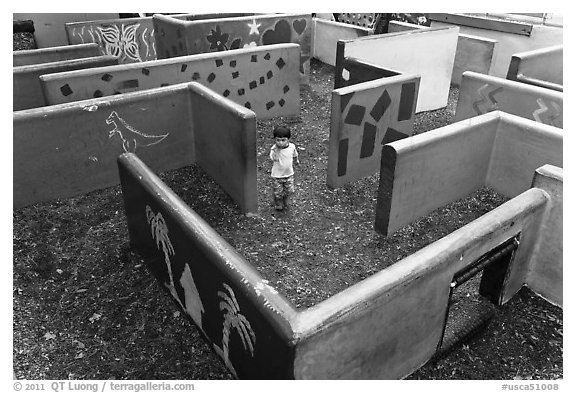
(273, 155)
(295, 156)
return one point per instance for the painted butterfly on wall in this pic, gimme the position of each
(121, 41)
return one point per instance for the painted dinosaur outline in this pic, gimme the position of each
(131, 137)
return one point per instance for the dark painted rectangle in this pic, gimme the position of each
(130, 84)
(407, 103)
(381, 106)
(342, 157)
(368, 140)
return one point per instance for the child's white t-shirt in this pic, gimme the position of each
(283, 167)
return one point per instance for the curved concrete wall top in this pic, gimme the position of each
(57, 53)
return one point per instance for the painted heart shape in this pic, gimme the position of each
(281, 34)
(299, 25)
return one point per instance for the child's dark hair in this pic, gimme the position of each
(281, 132)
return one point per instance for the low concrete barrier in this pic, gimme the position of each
(57, 53)
(374, 106)
(245, 319)
(513, 36)
(264, 79)
(180, 38)
(384, 327)
(428, 53)
(473, 53)
(325, 36)
(71, 149)
(481, 93)
(429, 170)
(129, 39)
(27, 91)
(542, 67)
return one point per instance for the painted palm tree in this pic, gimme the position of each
(194, 306)
(160, 234)
(233, 319)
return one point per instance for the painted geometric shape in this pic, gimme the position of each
(262, 80)
(131, 84)
(392, 135)
(344, 100)
(269, 74)
(407, 94)
(342, 157)
(281, 33)
(248, 105)
(381, 106)
(254, 58)
(486, 97)
(219, 62)
(146, 71)
(66, 90)
(299, 26)
(241, 92)
(253, 85)
(235, 74)
(195, 76)
(107, 77)
(98, 93)
(547, 114)
(267, 56)
(269, 105)
(211, 77)
(368, 140)
(232, 63)
(286, 89)
(183, 68)
(355, 115)
(282, 102)
(226, 93)
(280, 63)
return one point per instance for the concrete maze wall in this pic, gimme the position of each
(499, 150)
(27, 89)
(383, 327)
(376, 106)
(473, 53)
(541, 67)
(179, 38)
(58, 53)
(481, 94)
(263, 79)
(325, 36)
(129, 39)
(71, 149)
(428, 53)
(239, 313)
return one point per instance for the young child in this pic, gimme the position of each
(283, 153)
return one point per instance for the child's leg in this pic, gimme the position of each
(288, 190)
(277, 192)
